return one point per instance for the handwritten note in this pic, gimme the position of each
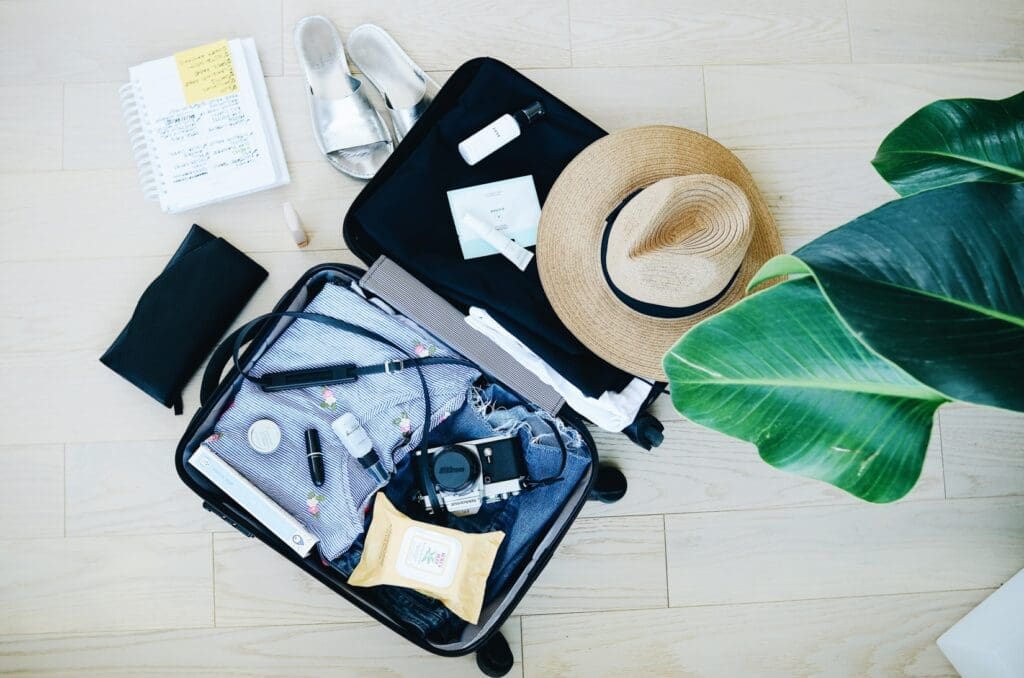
(206, 72)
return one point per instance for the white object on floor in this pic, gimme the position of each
(989, 641)
(291, 218)
(612, 411)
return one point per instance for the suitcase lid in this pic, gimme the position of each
(403, 212)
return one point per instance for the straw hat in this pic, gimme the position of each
(645, 233)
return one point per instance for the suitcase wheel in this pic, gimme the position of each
(609, 487)
(495, 657)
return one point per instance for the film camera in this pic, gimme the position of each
(465, 476)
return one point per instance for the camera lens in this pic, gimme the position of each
(455, 469)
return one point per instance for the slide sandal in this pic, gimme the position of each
(406, 89)
(348, 129)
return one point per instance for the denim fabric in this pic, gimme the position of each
(389, 406)
(523, 518)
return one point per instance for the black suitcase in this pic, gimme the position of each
(436, 310)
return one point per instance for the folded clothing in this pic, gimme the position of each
(390, 408)
(182, 314)
(612, 411)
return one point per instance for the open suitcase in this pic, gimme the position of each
(403, 281)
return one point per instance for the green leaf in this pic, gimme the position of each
(935, 283)
(780, 370)
(953, 141)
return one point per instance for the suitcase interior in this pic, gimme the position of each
(493, 614)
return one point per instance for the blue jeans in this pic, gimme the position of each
(524, 518)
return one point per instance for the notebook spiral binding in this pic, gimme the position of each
(134, 116)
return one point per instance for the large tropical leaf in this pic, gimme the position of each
(781, 370)
(953, 141)
(935, 283)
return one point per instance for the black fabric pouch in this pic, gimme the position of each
(182, 314)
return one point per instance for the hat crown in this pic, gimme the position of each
(680, 241)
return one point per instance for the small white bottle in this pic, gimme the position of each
(503, 130)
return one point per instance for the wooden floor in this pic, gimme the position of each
(714, 564)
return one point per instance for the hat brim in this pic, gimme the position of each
(572, 224)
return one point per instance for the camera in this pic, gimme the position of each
(466, 475)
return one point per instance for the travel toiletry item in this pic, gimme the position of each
(264, 436)
(201, 126)
(315, 457)
(358, 444)
(439, 562)
(181, 315)
(503, 130)
(509, 207)
(291, 219)
(506, 246)
(249, 497)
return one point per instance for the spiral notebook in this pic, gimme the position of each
(201, 126)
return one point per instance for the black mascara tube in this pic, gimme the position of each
(315, 456)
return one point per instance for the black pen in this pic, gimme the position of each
(315, 456)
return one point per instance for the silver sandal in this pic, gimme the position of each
(348, 129)
(406, 89)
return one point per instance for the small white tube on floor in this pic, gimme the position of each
(291, 218)
(508, 248)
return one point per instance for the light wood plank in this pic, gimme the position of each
(94, 127)
(131, 488)
(595, 553)
(106, 407)
(40, 312)
(98, 40)
(92, 214)
(257, 587)
(837, 105)
(99, 404)
(662, 32)
(106, 583)
(30, 127)
(697, 469)
(812, 191)
(31, 491)
(840, 551)
(365, 649)
(442, 34)
(922, 30)
(877, 636)
(982, 451)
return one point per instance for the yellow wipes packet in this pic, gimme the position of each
(439, 562)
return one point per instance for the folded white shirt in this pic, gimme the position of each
(612, 411)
